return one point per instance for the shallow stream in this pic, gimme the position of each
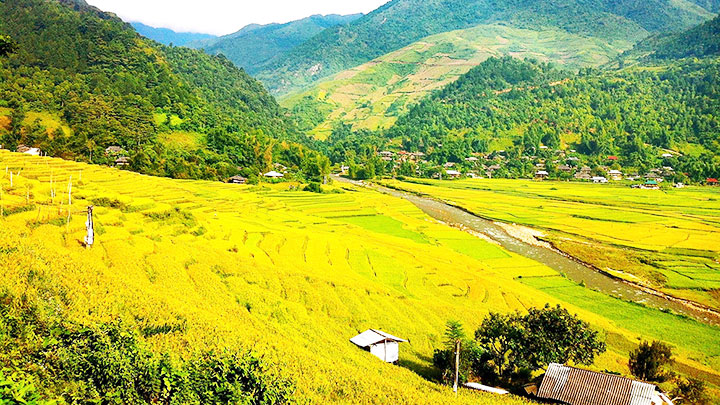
(574, 270)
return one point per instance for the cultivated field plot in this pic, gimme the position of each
(374, 94)
(666, 238)
(292, 275)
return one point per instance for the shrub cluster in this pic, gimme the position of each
(48, 358)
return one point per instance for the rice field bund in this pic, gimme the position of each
(666, 239)
(294, 275)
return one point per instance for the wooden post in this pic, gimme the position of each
(90, 237)
(70, 191)
(457, 365)
(385, 348)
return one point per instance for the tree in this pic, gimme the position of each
(519, 344)
(553, 335)
(500, 335)
(472, 358)
(690, 391)
(7, 46)
(647, 361)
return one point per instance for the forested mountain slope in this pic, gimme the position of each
(82, 80)
(401, 22)
(372, 95)
(521, 106)
(167, 36)
(256, 46)
(697, 42)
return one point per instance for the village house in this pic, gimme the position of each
(274, 175)
(122, 161)
(615, 175)
(651, 185)
(711, 182)
(667, 155)
(28, 150)
(453, 174)
(541, 175)
(114, 151)
(237, 180)
(471, 159)
(653, 175)
(380, 344)
(565, 168)
(492, 169)
(574, 386)
(386, 155)
(613, 158)
(599, 180)
(585, 173)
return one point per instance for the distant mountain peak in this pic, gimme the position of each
(168, 36)
(255, 46)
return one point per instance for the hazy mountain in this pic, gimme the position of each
(402, 22)
(255, 46)
(167, 36)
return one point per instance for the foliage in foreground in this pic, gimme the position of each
(509, 347)
(109, 363)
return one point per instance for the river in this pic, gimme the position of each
(572, 269)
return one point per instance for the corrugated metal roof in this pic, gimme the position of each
(583, 387)
(372, 336)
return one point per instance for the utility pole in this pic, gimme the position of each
(457, 365)
(90, 237)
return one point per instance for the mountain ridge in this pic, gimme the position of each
(401, 22)
(92, 74)
(255, 46)
(166, 36)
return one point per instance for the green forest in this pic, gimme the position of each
(631, 113)
(667, 101)
(110, 87)
(391, 27)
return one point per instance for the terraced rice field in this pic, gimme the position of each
(668, 239)
(374, 94)
(292, 275)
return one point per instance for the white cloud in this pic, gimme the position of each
(226, 16)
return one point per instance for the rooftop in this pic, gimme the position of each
(373, 336)
(577, 386)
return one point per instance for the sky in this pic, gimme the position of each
(220, 17)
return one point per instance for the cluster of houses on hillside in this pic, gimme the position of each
(279, 173)
(565, 165)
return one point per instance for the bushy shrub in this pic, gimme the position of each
(111, 364)
(313, 188)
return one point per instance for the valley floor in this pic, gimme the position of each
(294, 275)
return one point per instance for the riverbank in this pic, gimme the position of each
(532, 243)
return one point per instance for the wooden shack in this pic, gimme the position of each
(380, 344)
